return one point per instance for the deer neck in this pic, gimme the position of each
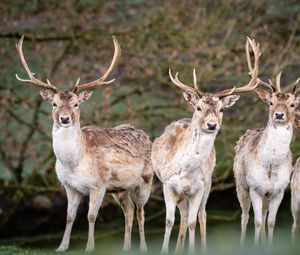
(68, 144)
(276, 141)
(201, 142)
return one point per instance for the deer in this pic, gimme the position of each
(92, 160)
(263, 161)
(295, 199)
(183, 157)
(295, 185)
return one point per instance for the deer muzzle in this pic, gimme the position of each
(279, 116)
(65, 120)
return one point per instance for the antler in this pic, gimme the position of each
(185, 87)
(294, 91)
(270, 85)
(32, 78)
(253, 71)
(278, 77)
(101, 81)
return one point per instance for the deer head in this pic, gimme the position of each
(65, 104)
(282, 105)
(209, 107)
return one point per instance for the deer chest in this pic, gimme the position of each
(192, 175)
(76, 177)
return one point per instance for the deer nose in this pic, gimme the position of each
(211, 126)
(279, 115)
(64, 119)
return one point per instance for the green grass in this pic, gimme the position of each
(223, 238)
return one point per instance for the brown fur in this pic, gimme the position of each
(251, 137)
(176, 133)
(127, 146)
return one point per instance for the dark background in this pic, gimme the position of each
(68, 39)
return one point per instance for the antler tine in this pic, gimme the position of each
(177, 82)
(183, 86)
(101, 80)
(277, 84)
(295, 86)
(76, 84)
(226, 92)
(253, 70)
(276, 87)
(269, 85)
(248, 55)
(195, 80)
(32, 79)
(49, 83)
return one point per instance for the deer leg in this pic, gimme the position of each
(73, 202)
(128, 209)
(96, 198)
(194, 204)
(141, 222)
(170, 201)
(264, 217)
(141, 196)
(296, 216)
(245, 203)
(273, 208)
(256, 200)
(202, 217)
(183, 209)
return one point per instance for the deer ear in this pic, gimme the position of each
(297, 101)
(297, 123)
(84, 95)
(230, 100)
(263, 95)
(191, 97)
(47, 95)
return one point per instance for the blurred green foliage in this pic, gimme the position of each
(68, 39)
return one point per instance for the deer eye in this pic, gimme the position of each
(198, 108)
(292, 105)
(271, 103)
(221, 110)
(54, 105)
(75, 105)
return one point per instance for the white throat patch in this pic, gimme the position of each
(66, 144)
